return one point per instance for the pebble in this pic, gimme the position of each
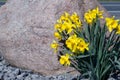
(1, 75)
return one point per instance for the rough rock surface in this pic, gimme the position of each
(26, 31)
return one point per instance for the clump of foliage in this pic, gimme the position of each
(86, 45)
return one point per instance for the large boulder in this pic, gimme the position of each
(26, 32)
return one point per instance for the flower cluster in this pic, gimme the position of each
(64, 32)
(85, 45)
(113, 24)
(76, 44)
(91, 15)
(68, 23)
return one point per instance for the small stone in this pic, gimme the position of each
(11, 68)
(37, 77)
(34, 76)
(4, 69)
(4, 62)
(6, 77)
(61, 77)
(21, 76)
(16, 72)
(25, 71)
(111, 79)
(1, 75)
(51, 78)
(28, 78)
(1, 64)
(1, 68)
(118, 76)
(1, 58)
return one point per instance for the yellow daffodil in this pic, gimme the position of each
(82, 46)
(75, 44)
(97, 12)
(55, 46)
(64, 59)
(75, 18)
(92, 14)
(68, 22)
(118, 29)
(64, 17)
(61, 27)
(71, 43)
(57, 26)
(57, 35)
(88, 18)
(111, 23)
(69, 27)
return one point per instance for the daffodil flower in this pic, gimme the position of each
(111, 23)
(64, 59)
(55, 46)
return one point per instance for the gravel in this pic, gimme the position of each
(8, 72)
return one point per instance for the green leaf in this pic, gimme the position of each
(107, 68)
(84, 56)
(87, 31)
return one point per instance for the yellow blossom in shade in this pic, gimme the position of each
(55, 46)
(64, 59)
(57, 35)
(75, 18)
(111, 23)
(82, 46)
(118, 29)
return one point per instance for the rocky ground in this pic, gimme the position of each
(8, 72)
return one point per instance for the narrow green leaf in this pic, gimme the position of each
(107, 68)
